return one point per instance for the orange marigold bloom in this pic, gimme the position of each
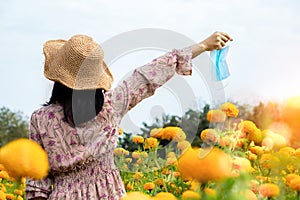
(269, 190)
(136, 196)
(120, 131)
(180, 136)
(23, 157)
(257, 150)
(290, 177)
(170, 132)
(2, 195)
(183, 145)
(247, 126)
(216, 116)
(254, 186)
(209, 136)
(211, 164)
(135, 155)
(120, 151)
(190, 195)
(250, 195)
(151, 143)
(164, 196)
(255, 136)
(149, 186)
(10, 196)
(269, 161)
(137, 139)
(156, 132)
(295, 184)
(210, 192)
(230, 109)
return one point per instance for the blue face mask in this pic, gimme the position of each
(218, 57)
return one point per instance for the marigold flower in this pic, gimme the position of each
(128, 160)
(269, 190)
(136, 196)
(255, 136)
(250, 195)
(242, 164)
(257, 150)
(290, 177)
(129, 186)
(135, 155)
(269, 161)
(227, 141)
(212, 165)
(210, 192)
(156, 132)
(164, 196)
(180, 136)
(149, 186)
(2, 195)
(18, 192)
(10, 196)
(209, 136)
(295, 184)
(23, 157)
(289, 151)
(171, 155)
(247, 126)
(183, 145)
(120, 151)
(216, 116)
(138, 139)
(251, 156)
(190, 195)
(19, 198)
(171, 161)
(4, 175)
(120, 131)
(170, 132)
(151, 143)
(230, 109)
(254, 186)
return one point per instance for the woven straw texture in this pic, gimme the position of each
(77, 63)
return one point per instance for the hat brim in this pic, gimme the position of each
(51, 49)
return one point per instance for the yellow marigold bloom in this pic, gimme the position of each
(144, 154)
(129, 186)
(250, 195)
(135, 155)
(257, 150)
(149, 186)
(10, 196)
(247, 126)
(159, 182)
(216, 116)
(180, 136)
(23, 180)
(251, 156)
(290, 177)
(120, 131)
(242, 164)
(2, 195)
(3, 188)
(138, 139)
(295, 184)
(19, 198)
(254, 186)
(230, 109)
(209, 136)
(255, 136)
(269, 161)
(170, 132)
(171, 160)
(128, 160)
(18, 192)
(23, 157)
(289, 151)
(210, 192)
(183, 145)
(164, 196)
(136, 196)
(120, 152)
(212, 165)
(156, 132)
(4, 175)
(190, 195)
(151, 143)
(269, 190)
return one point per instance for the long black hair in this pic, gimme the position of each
(79, 105)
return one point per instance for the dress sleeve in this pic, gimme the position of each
(146, 79)
(43, 187)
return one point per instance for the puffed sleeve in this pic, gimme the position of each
(144, 80)
(43, 187)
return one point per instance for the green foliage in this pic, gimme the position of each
(13, 125)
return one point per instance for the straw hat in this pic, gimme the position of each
(77, 63)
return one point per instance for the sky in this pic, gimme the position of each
(263, 58)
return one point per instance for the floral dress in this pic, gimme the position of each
(82, 158)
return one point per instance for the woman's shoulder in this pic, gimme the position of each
(48, 111)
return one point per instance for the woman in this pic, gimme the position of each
(78, 127)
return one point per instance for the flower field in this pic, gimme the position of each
(236, 161)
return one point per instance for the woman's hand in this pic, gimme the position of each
(216, 41)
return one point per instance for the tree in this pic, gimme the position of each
(13, 125)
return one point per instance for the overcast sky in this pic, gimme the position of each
(263, 59)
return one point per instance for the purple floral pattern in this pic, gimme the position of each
(81, 159)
